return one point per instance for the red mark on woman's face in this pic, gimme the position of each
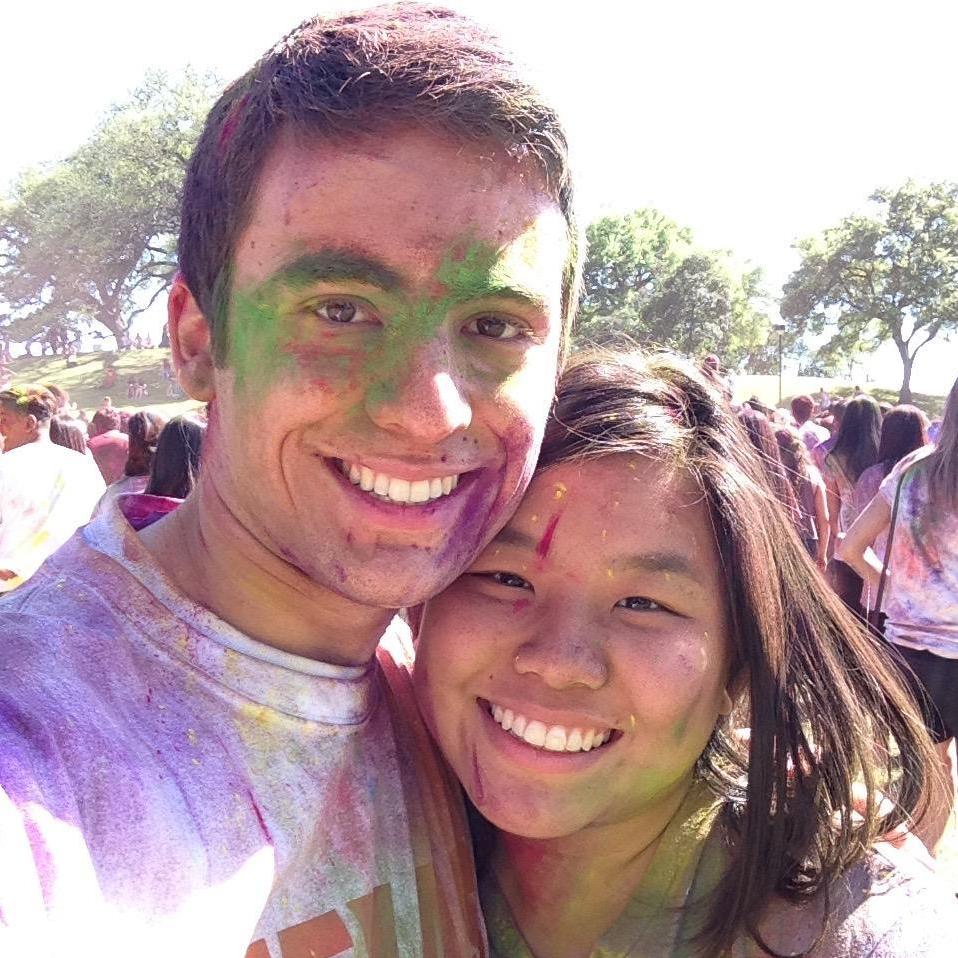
(545, 543)
(520, 604)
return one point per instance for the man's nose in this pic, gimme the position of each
(421, 395)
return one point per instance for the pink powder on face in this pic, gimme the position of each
(520, 605)
(545, 543)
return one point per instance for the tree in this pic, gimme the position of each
(886, 274)
(645, 279)
(91, 240)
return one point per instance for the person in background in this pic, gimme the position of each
(903, 430)
(761, 435)
(809, 489)
(855, 449)
(808, 430)
(69, 433)
(831, 422)
(922, 593)
(144, 430)
(176, 463)
(46, 490)
(108, 443)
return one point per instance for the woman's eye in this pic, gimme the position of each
(494, 327)
(343, 312)
(639, 603)
(510, 580)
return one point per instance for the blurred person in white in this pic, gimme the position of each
(47, 491)
(922, 591)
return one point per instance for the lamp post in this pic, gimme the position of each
(779, 328)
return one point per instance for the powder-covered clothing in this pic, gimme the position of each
(812, 434)
(122, 487)
(46, 492)
(922, 604)
(833, 470)
(172, 788)
(888, 906)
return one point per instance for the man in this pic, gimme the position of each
(108, 443)
(202, 754)
(46, 490)
(809, 430)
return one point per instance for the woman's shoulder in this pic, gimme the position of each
(889, 905)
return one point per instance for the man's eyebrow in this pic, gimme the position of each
(510, 291)
(337, 265)
(668, 563)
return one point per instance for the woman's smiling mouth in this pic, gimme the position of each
(552, 738)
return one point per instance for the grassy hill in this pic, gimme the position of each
(84, 381)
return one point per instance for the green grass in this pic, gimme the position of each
(84, 380)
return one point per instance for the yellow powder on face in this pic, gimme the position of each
(534, 519)
(561, 490)
(610, 573)
(605, 533)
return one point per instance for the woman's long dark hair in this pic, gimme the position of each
(144, 430)
(903, 430)
(176, 463)
(856, 447)
(66, 432)
(824, 703)
(761, 435)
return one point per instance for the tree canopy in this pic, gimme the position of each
(91, 240)
(645, 279)
(888, 273)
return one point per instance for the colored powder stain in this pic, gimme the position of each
(149, 696)
(610, 573)
(340, 572)
(561, 489)
(534, 519)
(605, 533)
(349, 538)
(259, 817)
(191, 736)
(632, 722)
(545, 543)
(520, 605)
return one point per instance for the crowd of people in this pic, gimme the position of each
(439, 641)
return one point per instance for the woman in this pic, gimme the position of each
(585, 676)
(176, 463)
(809, 489)
(855, 450)
(761, 434)
(68, 433)
(922, 591)
(903, 430)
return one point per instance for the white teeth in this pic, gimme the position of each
(398, 490)
(419, 491)
(535, 734)
(553, 738)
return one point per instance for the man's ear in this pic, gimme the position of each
(190, 342)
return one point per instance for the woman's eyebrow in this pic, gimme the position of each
(672, 563)
(513, 537)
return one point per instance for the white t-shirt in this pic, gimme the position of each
(922, 604)
(812, 434)
(170, 787)
(46, 492)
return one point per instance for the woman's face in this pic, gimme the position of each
(574, 674)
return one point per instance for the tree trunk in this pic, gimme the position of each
(904, 394)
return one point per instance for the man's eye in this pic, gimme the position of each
(509, 579)
(639, 603)
(341, 311)
(494, 327)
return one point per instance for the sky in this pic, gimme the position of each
(752, 123)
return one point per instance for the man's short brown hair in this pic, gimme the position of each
(389, 67)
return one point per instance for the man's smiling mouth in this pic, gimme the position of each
(393, 489)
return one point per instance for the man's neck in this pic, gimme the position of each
(566, 893)
(217, 563)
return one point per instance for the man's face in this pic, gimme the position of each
(16, 427)
(391, 350)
